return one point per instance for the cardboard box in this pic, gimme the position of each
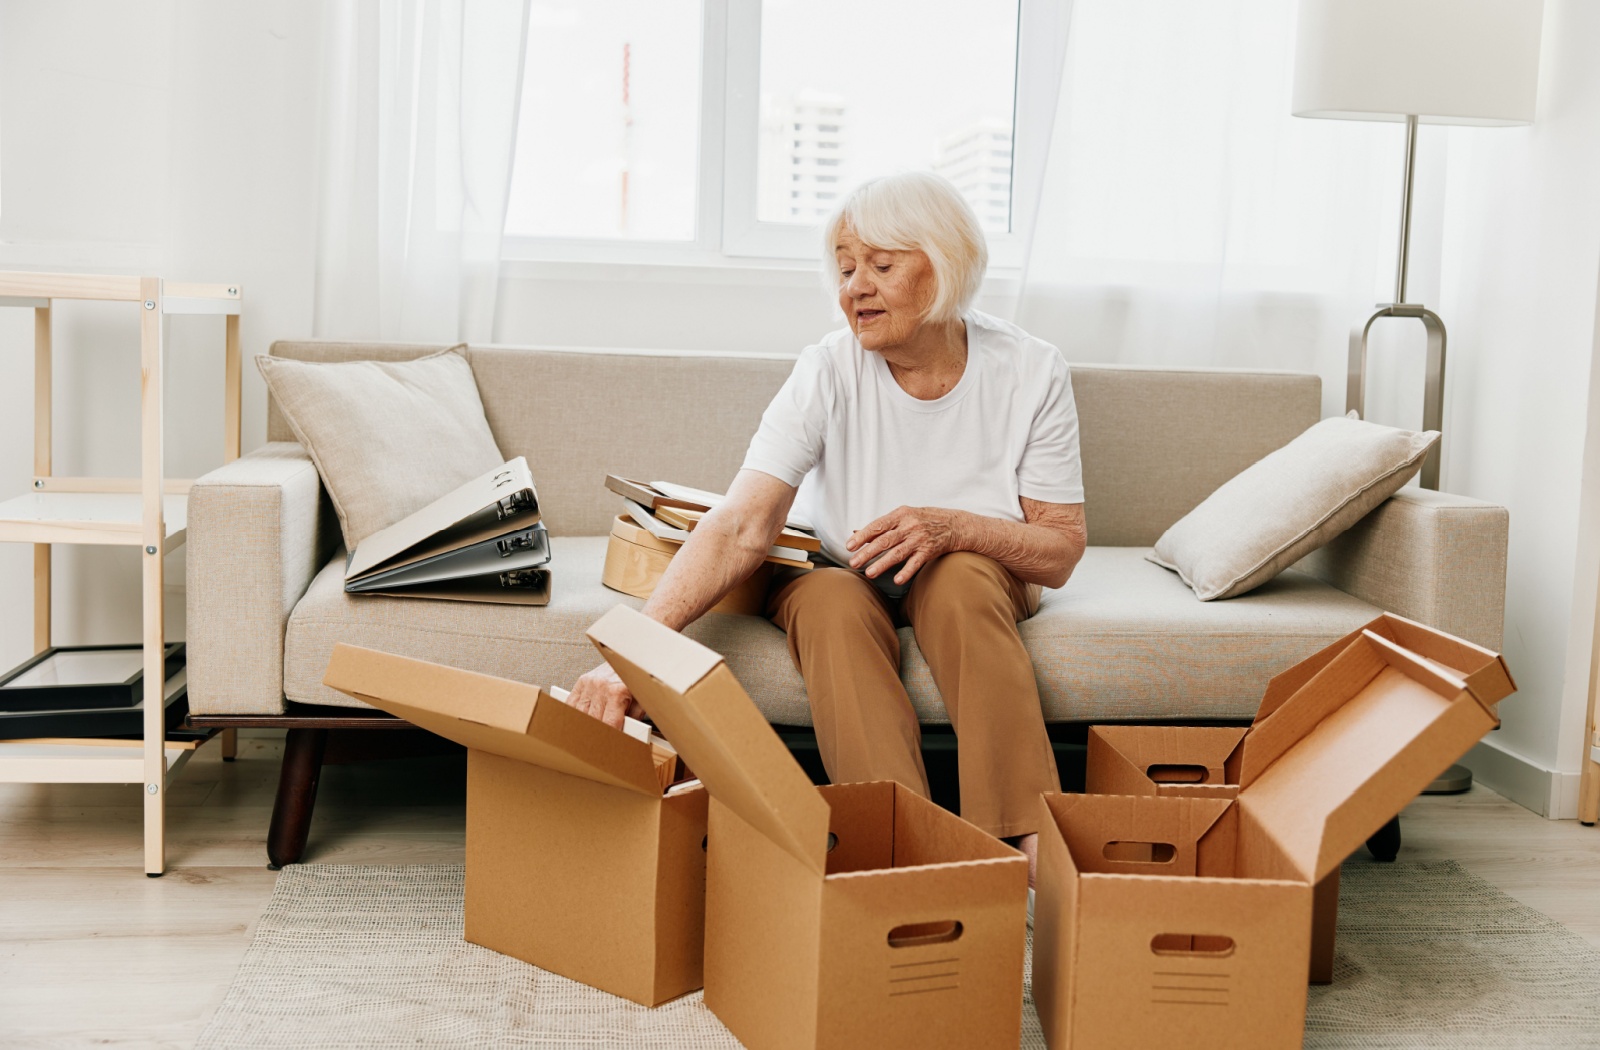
(635, 561)
(1190, 761)
(1203, 761)
(857, 915)
(576, 861)
(1184, 915)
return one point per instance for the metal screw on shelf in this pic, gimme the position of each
(149, 550)
(233, 291)
(152, 789)
(38, 483)
(149, 304)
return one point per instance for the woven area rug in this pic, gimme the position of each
(1429, 956)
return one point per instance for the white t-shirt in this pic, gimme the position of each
(858, 446)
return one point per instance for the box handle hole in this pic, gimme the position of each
(916, 933)
(705, 840)
(833, 841)
(1141, 852)
(1176, 773)
(1195, 945)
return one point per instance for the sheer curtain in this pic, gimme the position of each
(1185, 217)
(419, 125)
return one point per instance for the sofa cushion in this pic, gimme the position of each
(1123, 641)
(388, 438)
(1289, 503)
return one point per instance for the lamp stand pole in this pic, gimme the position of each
(1457, 778)
(1433, 381)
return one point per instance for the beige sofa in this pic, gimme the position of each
(1124, 640)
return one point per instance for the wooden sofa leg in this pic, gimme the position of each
(1385, 845)
(297, 796)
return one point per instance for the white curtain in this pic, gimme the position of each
(1186, 218)
(419, 127)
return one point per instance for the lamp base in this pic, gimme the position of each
(1452, 781)
(1433, 381)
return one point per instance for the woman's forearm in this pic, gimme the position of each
(713, 562)
(723, 550)
(1032, 553)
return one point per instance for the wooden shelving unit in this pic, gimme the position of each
(148, 512)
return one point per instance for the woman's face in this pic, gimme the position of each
(885, 295)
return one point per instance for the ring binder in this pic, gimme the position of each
(478, 543)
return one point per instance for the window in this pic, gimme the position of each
(703, 130)
(608, 139)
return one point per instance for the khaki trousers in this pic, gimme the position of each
(963, 609)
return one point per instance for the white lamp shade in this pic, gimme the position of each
(1442, 61)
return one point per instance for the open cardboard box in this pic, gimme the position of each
(852, 915)
(577, 861)
(1183, 915)
(1204, 761)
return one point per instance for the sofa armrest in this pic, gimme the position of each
(1428, 556)
(259, 529)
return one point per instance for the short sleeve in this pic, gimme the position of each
(789, 441)
(1050, 470)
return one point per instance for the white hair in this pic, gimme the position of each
(915, 211)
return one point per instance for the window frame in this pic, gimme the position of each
(727, 231)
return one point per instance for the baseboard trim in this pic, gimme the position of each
(1548, 792)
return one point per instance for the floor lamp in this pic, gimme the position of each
(1419, 62)
(1470, 62)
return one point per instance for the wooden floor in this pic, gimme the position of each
(94, 953)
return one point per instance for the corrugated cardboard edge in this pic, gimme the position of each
(1491, 682)
(494, 714)
(736, 754)
(1345, 820)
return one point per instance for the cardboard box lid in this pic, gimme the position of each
(1354, 745)
(1483, 670)
(494, 714)
(719, 731)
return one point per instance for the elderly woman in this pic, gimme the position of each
(935, 450)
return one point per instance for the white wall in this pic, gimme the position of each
(1521, 262)
(174, 137)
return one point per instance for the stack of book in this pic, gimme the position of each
(481, 543)
(659, 516)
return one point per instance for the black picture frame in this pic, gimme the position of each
(96, 696)
(99, 722)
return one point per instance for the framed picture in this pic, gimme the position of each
(81, 677)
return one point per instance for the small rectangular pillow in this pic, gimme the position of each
(388, 437)
(1289, 503)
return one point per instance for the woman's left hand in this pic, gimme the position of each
(913, 536)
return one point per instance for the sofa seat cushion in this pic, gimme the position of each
(1125, 640)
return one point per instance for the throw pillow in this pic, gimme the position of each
(1288, 504)
(388, 437)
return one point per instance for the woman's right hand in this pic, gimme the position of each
(602, 694)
